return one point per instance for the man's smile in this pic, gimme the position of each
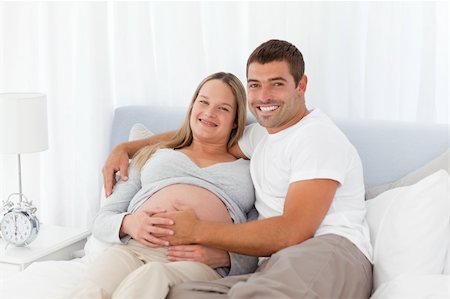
(268, 108)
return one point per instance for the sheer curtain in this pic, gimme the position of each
(377, 60)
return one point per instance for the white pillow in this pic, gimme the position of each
(447, 263)
(93, 246)
(415, 287)
(441, 162)
(139, 131)
(409, 228)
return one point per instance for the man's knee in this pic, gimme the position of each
(177, 292)
(216, 289)
(190, 291)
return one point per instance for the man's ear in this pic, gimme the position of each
(301, 88)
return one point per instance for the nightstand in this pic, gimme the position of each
(52, 243)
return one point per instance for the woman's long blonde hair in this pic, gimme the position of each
(183, 136)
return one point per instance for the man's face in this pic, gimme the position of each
(273, 98)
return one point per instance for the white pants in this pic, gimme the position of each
(136, 271)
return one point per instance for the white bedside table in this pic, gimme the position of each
(52, 243)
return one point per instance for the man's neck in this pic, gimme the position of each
(294, 120)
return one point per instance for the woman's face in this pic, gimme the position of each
(213, 113)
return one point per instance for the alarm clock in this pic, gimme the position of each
(19, 225)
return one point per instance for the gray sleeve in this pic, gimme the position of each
(252, 214)
(108, 221)
(241, 264)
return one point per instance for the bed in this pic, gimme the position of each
(405, 165)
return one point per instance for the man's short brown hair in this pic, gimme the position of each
(279, 50)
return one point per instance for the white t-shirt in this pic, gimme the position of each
(313, 148)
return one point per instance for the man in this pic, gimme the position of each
(309, 194)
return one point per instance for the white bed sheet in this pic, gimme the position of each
(43, 280)
(50, 279)
(56, 279)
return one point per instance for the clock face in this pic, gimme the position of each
(17, 228)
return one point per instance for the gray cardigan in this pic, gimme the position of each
(229, 181)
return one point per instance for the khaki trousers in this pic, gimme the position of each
(136, 271)
(324, 267)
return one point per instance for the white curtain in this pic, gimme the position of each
(373, 60)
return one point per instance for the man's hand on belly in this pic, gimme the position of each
(184, 225)
(141, 226)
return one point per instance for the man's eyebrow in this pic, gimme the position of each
(270, 79)
(278, 79)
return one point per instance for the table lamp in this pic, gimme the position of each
(23, 129)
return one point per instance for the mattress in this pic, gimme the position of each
(56, 279)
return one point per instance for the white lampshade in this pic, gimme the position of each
(23, 123)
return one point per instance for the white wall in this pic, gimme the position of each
(377, 60)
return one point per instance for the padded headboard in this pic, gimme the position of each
(388, 149)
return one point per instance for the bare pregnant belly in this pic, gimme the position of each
(206, 204)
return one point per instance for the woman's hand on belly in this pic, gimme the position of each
(212, 257)
(141, 227)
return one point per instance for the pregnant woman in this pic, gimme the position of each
(193, 169)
